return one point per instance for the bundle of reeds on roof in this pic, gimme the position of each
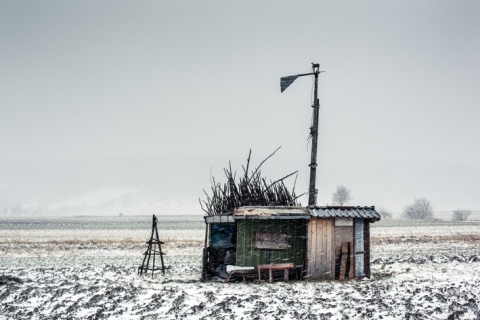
(250, 189)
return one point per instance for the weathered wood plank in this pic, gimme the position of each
(323, 251)
(343, 261)
(309, 248)
(319, 253)
(338, 257)
(330, 270)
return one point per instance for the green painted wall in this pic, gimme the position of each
(247, 255)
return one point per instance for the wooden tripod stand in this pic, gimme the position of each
(154, 249)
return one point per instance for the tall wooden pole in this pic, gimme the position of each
(312, 191)
(285, 82)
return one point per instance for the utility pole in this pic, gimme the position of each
(284, 83)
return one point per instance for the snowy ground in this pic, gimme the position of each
(86, 269)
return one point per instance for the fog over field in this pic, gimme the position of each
(130, 107)
(162, 185)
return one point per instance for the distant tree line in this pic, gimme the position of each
(420, 209)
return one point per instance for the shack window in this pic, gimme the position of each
(359, 248)
(223, 236)
(272, 241)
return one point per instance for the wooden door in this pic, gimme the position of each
(320, 255)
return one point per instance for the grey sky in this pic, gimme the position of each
(93, 80)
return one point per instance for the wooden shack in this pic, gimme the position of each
(254, 226)
(338, 245)
(311, 243)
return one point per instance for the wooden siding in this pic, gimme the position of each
(320, 249)
(248, 256)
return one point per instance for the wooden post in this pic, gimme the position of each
(338, 258)
(205, 254)
(312, 191)
(343, 262)
(351, 253)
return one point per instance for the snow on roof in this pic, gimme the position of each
(281, 212)
(271, 213)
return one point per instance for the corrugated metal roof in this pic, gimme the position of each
(344, 212)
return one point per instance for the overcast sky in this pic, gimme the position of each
(399, 117)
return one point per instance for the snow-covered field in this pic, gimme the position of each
(86, 268)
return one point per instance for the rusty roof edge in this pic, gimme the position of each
(270, 211)
(270, 207)
(279, 217)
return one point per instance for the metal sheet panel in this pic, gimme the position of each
(285, 82)
(219, 219)
(297, 217)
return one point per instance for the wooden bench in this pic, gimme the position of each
(239, 271)
(270, 267)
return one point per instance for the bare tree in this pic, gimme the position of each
(385, 214)
(461, 214)
(341, 196)
(421, 209)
